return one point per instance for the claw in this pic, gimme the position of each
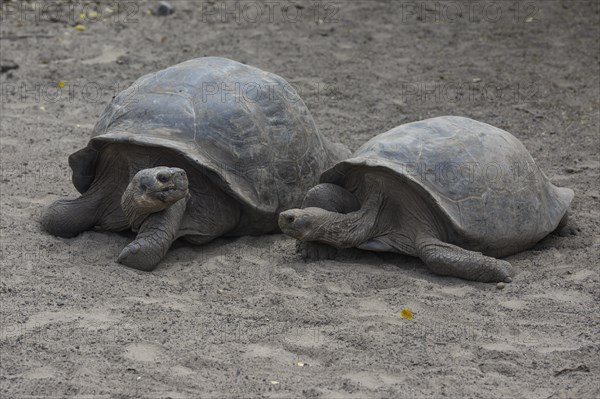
(132, 256)
(314, 251)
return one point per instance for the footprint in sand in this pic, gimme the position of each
(40, 372)
(514, 304)
(108, 55)
(144, 352)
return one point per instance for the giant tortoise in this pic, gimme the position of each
(453, 191)
(206, 148)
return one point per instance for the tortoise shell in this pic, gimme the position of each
(481, 179)
(246, 129)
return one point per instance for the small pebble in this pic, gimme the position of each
(500, 285)
(163, 8)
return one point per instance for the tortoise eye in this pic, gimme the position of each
(163, 177)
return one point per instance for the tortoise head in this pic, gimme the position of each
(308, 224)
(153, 190)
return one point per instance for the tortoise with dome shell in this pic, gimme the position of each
(453, 191)
(206, 148)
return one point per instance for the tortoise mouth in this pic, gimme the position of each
(165, 184)
(162, 184)
(169, 194)
(292, 224)
(167, 189)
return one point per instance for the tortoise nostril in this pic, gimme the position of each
(163, 177)
(289, 218)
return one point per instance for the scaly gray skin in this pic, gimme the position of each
(395, 220)
(157, 202)
(331, 198)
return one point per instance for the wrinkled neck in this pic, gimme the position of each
(131, 211)
(136, 209)
(350, 229)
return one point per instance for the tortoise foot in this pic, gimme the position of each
(312, 251)
(569, 230)
(137, 257)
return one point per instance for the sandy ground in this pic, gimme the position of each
(246, 317)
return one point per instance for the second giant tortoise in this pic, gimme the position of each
(452, 191)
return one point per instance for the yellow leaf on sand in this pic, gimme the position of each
(406, 314)
(60, 84)
(79, 27)
(273, 382)
(81, 16)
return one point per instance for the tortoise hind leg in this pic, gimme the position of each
(332, 198)
(449, 260)
(566, 227)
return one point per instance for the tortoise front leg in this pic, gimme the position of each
(155, 236)
(69, 217)
(332, 198)
(449, 260)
